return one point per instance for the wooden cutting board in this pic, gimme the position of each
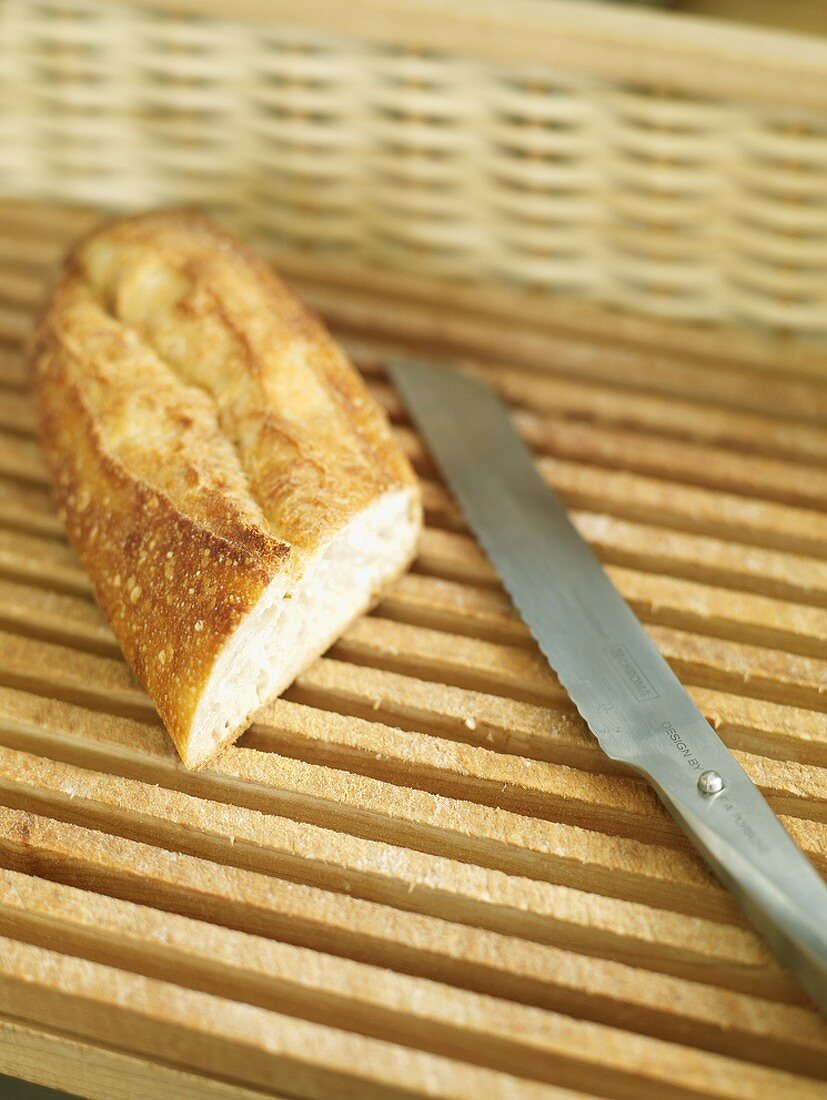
(417, 874)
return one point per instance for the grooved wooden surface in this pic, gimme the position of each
(417, 875)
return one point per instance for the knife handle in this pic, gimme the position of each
(781, 892)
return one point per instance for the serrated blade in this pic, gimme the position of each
(624, 690)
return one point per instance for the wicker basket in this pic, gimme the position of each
(655, 163)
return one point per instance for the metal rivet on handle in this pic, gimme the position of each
(710, 783)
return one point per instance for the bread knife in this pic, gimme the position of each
(624, 690)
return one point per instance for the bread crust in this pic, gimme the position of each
(205, 436)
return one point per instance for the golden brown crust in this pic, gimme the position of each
(314, 443)
(204, 433)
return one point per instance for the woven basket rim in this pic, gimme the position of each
(687, 54)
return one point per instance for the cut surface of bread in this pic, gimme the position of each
(227, 480)
(280, 637)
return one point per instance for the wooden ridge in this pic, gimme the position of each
(432, 330)
(767, 515)
(60, 1061)
(558, 397)
(229, 1039)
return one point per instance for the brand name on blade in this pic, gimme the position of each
(632, 673)
(681, 746)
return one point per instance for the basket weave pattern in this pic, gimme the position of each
(675, 207)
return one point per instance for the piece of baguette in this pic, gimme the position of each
(225, 476)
